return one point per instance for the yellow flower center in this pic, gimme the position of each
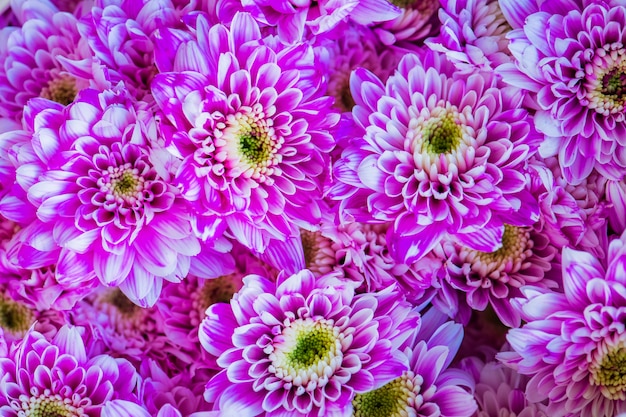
(307, 353)
(62, 90)
(15, 318)
(398, 398)
(608, 370)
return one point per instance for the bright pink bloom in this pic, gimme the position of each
(436, 153)
(249, 120)
(61, 378)
(573, 344)
(34, 58)
(302, 345)
(570, 56)
(99, 199)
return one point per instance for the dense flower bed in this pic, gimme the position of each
(313, 208)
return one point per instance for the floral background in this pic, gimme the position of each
(312, 208)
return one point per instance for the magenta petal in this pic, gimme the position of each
(408, 249)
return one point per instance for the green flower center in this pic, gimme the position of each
(307, 353)
(402, 3)
(345, 96)
(126, 184)
(441, 135)
(15, 318)
(247, 145)
(61, 89)
(255, 147)
(608, 370)
(311, 347)
(605, 81)
(395, 399)
(614, 84)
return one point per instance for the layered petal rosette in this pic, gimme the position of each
(473, 34)
(34, 58)
(573, 60)
(251, 125)
(479, 279)
(99, 199)
(303, 346)
(573, 345)
(436, 153)
(576, 215)
(120, 35)
(500, 391)
(60, 378)
(122, 328)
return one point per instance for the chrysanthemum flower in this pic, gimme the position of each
(251, 126)
(98, 198)
(182, 308)
(17, 316)
(302, 345)
(427, 387)
(472, 35)
(413, 24)
(526, 257)
(120, 36)
(182, 392)
(122, 328)
(573, 60)
(34, 57)
(435, 153)
(292, 17)
(574, 344)
(58, 378)
(500, 391)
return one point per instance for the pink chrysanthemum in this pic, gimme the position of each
(182, 392)
(427, 387)
(303, 346)
(473, 34)
(17, 316)
(291, 18)
(120, 34)
(59, 378)
(34, 58)
(574, 344)
(182, 308)
(500, 391)
(573, 61)
(436, 153)
(122, 328)
(98, 198)
(525, 257)
(251, 126)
